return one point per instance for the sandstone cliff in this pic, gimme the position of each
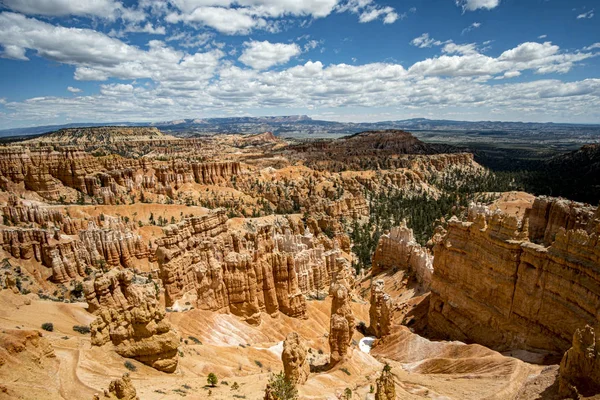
(263, 267)
(69, 257)
(494, 286)
(398, 249)
(129, 316)
(108, 180)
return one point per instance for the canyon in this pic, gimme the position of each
(136, 263)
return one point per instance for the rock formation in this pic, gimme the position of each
(380, 311)
(580, 366)
(398, 249)
(386, 389)
(120, 389)
(129, 316)
(341, 326)
(263, 267)
(68, 258)
(295, 365)
(492, 285)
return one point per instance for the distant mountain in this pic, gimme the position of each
(303, 126)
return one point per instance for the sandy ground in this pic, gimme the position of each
(238, 352)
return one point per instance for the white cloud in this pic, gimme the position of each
(105, 9)
(465, 49)
(225, 20)
(586, 15)
(368, 11)
(74, 89)
(542, 58)
(472, 5)
(592, 47)
(263, 55)
(425, 41)
(469, 28)
(97, 56)
(529, 51)
(147, 28)
(183, 83)
(542, 36)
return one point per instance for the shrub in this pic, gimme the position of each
(212, 379)
(282, 388)
(83, 329)
(260, 365)
(129, 365)
(235, 386)
(348, 393)
(194, 339)
(345, 370)
(48, 326)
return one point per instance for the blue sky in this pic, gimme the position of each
(346, 60)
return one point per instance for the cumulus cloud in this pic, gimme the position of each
(368, 11)
(98, 56)
(263, 55)
(105, 9)
(472, 5)
(425, 41)
(183, 83)
(74, 89)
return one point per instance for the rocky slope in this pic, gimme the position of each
(492, 284)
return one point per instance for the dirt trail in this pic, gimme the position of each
(71, 387)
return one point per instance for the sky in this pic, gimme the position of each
(64, 61)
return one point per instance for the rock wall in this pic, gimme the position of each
(262, 267)
(109, 180)
(492, 285)
(129, 315)
(69, 257)
(398, 249)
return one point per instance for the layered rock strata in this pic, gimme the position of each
(69, 257)
(109, 180)
(493, 286)
(380, 311)
(580, 366)
(295, 364)
(398, 249)
(264, 267)
(130, 317)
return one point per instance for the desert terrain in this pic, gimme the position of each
(138, 264)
